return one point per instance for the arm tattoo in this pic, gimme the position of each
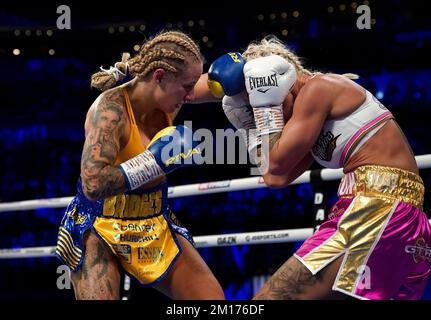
(99, 175)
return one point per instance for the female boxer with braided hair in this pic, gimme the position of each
(120, 216)
(375, 243)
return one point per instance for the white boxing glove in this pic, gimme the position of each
(240, 114)
(268, 81)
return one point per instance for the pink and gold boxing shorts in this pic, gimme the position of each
(379, 228)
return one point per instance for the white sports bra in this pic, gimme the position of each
(341, 138)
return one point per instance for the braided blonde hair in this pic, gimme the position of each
(272, 45)
(167, 50)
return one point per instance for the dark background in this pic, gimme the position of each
(44, 99)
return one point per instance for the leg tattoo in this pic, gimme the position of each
(287, 283)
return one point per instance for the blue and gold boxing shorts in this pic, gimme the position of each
(139, 228)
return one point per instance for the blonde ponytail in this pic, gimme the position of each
(106, 79)
(168, 50)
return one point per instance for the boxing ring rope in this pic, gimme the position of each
(259, 237)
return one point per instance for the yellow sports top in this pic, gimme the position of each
(134, 146)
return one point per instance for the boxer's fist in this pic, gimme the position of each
(238, 111)
(171, 148)
(226, 76)
(240, 114)
(268, 80)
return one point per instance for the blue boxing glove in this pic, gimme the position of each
(226, 76)
(171, 148)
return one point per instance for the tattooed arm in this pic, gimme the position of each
(103, 128)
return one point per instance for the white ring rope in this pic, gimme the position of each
(424, 162)
(221, 240)
(260, 237)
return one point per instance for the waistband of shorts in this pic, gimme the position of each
(142, 204)
(382, 181)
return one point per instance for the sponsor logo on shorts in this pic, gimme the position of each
(124, 251)
(134, 238)
(335, 212)
(133, 227)
(145, 273)
(77, 216)
(150, 254)
(382, 181)
(420, 250)
(133, 205)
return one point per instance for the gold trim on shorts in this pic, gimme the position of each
(358, 230)
(394, 183)
(377, 190)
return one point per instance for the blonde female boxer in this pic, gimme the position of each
(120, 219)
(375, 244)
